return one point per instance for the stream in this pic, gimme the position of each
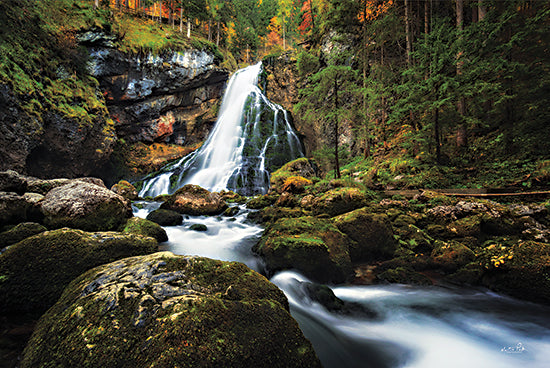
(384, 326)
(407, 326)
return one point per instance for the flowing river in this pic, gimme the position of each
(385, 325)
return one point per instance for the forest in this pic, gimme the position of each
(445, 90)
(275, 183)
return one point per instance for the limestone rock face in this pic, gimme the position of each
(163, 310)
(84, 206)
(36, 270)
(169, 97)
(194, 200)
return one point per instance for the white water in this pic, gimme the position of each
(415, 327)
(221, 163)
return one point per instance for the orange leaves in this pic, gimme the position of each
(374, 9)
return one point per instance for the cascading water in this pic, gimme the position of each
(252, 137)
(389, 326)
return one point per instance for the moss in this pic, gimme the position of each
(402, 275)
(261, 201)
(139, 226)
(372, 233)
(38, 268)
(313, 246)
(338, 201)
(452, 255)
(301, 166)
(237, 318)
(295, 184)
(20, 232)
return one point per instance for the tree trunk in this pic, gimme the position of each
(336, 160)
(284, 36)
(188, 27)
(210, 30)
(461, 134)
(481, 11)
(96, 4)
(426, 17)
(218, 35)
(436, 137)
(408, 30)
(181, 20)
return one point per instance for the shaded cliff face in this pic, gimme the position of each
(140, 99)
(170, 98)
(281, 85)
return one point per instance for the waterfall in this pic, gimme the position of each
(252, 137)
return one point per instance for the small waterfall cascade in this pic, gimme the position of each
(252, 137)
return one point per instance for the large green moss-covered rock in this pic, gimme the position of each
(20, 232)
(194, 200)
(301, 167)
(338, 201)
(163, 310)
(34, 272)
(85, 206)
(313, 246)
(372, 233)
(519, 268)
(451, 255)
(125, 189)
(139, 226)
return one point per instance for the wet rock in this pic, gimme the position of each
(11, 181)
(313, 246)
(261, 201)
(125, 189)
(165, 310)
(84, 206)
(519, 268)
(194, 200)
(452, 255)
(20, 232)
(338, 201)
(198, 227)
(372, 233)
(231, 211)
(139, 226)
(165, 217)
(302, 167)
(13, 208)
(36, 270)
(404, 275)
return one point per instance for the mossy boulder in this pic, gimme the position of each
(404, 275)
(140, 226)
(125, 189)
(12, 181)
(198, 227)
(14, 208)
(163, 310)
(231, 211)
(452, 255)
(194, 200)
(20, 232)
(338, 201)
(295, 184)
(371, 232)
(271, 214)
(261, 201)
(165, 217)
(43, 186)
(301, 167)
(311, 245)
(84, 206)
(465, 227)
(34, 272)
(519, 268)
